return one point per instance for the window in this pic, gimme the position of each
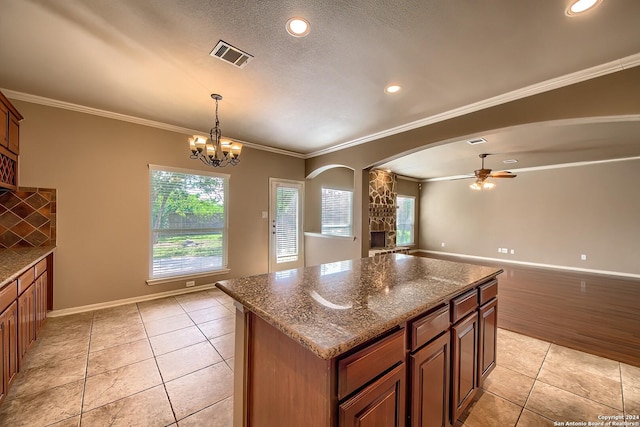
(405, 220)
(188, 221)
(336, 212)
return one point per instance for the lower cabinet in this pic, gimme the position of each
(27, 321)
(8, 348)
(430, 376)
(23, 311)
(41, 302)
(488, 327)
(380, 404)
(464, 370)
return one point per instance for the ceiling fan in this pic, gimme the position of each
(482, 174)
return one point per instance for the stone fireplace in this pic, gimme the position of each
(382, 209)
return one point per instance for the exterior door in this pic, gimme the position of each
(285, 224)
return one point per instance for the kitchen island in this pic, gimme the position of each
(389, 340)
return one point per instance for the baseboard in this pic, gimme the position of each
(534, 264)
(102, 305)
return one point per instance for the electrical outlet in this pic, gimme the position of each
(499, 250)
(513, 251)
(191, 283)
(442, 244)
(583, 257)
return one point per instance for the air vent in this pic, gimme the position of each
(233, 55)
(510, 161)
(476, 141)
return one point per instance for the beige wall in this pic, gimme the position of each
(322, 249)
(610, 95)
(99, 167)
(548, 217)
(338, 178)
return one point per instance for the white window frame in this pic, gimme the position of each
(192, 274)
(322, 212)
(413, 221)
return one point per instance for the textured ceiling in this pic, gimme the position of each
(150, 59)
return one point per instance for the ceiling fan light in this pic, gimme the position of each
(475, 186)
(488, 185)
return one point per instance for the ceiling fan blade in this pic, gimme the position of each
(462, 177)
(502, 175)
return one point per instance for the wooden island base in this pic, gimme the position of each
(422, 372)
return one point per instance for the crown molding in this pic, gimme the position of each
(540, 168)
(35, 99)
(545, 86)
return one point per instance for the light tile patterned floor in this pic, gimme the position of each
(168, 362)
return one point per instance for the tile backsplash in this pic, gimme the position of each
(28, 217)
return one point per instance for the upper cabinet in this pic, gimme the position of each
(9, 144)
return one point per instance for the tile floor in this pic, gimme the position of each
(168, 362)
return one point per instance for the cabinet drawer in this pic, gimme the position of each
(463, 305)
(428, 327)
(488, 291)
(358, 369)
(41, 267)
(26, 279)
(8, 294)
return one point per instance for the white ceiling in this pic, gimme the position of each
(150, 59)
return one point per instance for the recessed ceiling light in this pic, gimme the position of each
(510, 161)
(298, 27)
(579, 6)
(393, 88)
(476, 141)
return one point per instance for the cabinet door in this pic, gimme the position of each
(464, 347)
(41, 301)
(14, 134)
(8, 348)
(4, 125)
(380, 404)
(11, 327)
(430, 384)
(26, 325)
(488, 329)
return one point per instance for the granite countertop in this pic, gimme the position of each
(15, 261)
(332, 308)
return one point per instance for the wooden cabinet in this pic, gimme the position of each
(473, 343)
(380, 404)
(423, 372)
(23, 311)
(487, 339)
(382, 401)
(430, 376)
(26, 322)
(41, 301)
(8, 337)
(9, 144)
(8, 348)
(32, 305)
(464, 370)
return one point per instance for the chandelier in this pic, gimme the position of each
(215, 151)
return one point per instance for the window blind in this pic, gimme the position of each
(287, 244)
(188, 222)
(337, 212)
